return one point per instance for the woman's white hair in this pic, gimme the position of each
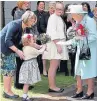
(28, 15)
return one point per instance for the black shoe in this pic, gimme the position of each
(5, 95)
(59, 91)
(78, 95)
(88, 96)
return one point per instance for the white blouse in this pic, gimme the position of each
(56, 27)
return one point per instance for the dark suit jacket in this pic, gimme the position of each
(40, 16)
(10, 35)
(44, 22)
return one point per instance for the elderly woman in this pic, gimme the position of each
(55, 53)
(10, 37)
(84, 69)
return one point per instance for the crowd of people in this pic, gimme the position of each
(24, 56)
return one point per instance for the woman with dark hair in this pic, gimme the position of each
(13, 11)
(86, 7)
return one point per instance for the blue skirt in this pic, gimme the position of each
(8, 66)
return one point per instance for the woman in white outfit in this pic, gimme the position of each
(55, 53)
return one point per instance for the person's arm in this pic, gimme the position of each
(17, 15)
(40, 51)
(17, 51)
(37, 46)
(36, 52)
(59, 47)
(11, 30)
(91, 30)
(69, 42)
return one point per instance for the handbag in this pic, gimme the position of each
(85, 53)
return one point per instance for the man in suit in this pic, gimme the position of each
(40, 15)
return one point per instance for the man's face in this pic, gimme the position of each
(59, 9)
(41, 6)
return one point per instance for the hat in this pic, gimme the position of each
(75, 9)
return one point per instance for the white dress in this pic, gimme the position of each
(56, 30)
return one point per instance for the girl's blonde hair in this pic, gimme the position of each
(26, 39)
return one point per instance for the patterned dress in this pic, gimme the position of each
(8, 64)
(29, 71)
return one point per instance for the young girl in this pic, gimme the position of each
(29, 72)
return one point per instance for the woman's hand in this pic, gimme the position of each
(59, 49)
(20, 54)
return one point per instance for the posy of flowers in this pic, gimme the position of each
(81, 30)
(44, 38)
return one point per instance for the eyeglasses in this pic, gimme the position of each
(59, 9)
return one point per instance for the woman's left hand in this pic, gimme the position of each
(59, 49)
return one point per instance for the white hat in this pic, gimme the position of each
(75, 9)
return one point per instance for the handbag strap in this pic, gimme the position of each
(86, 34)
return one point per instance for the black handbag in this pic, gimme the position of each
(85, 53)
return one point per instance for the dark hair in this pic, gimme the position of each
(66, 7)
(88, 6)
(13, 10)
(39, 2)
(96, 5)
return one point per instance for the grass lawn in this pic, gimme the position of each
(42, 87)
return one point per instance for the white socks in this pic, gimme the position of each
(25, 96)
